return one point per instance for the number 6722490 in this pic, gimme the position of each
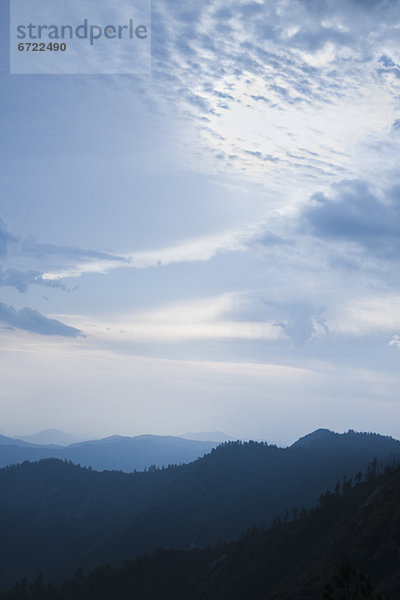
(42, 47)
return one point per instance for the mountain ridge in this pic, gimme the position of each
(65, 516)
(49, 437)
(114, 452)
(351, 532)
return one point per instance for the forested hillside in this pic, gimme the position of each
(56, 517)
(347, 548)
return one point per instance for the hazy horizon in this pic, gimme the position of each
(283, 442)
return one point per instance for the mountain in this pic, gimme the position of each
(331, 552)
(322, 438)
(112, 453)
(50, 437)
(8, 441)
(326, 441)
(55, 517)
(140, 452)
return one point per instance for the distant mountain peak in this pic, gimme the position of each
(322, 433)
(50, 437)
(318, 435)
(326, 437)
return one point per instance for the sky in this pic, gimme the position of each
(214, 245)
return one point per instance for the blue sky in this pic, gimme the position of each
(214, 246)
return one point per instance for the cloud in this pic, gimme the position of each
(367, 315)
(62, 259)
(60, 262)
(31, 320)
(200, 249)
(303, 322)
(351, 212)
(355, 13)
(42, 250)
(291, 74)
(5, 238)
(200, 319)
(21, 280)
(395, 341)
(295, 320)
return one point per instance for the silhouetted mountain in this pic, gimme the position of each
(115, 452)
(320, 437)
(326, 441)
(50, 437)
(56, 516)
(322, 553)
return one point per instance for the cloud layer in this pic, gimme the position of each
(31, 320)
(241, 206)
(353, 213)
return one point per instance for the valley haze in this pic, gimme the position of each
(56, 517)
(138, 453)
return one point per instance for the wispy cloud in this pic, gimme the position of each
(31, 320)
(194, 250)
(30, 251)
(365, 316)
(31, 247)
(201, 319)
(21, 280)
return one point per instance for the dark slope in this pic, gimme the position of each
(327, 441)
(115, 452)
(55, 517)
(291, 561)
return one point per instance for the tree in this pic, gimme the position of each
(349, 584)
